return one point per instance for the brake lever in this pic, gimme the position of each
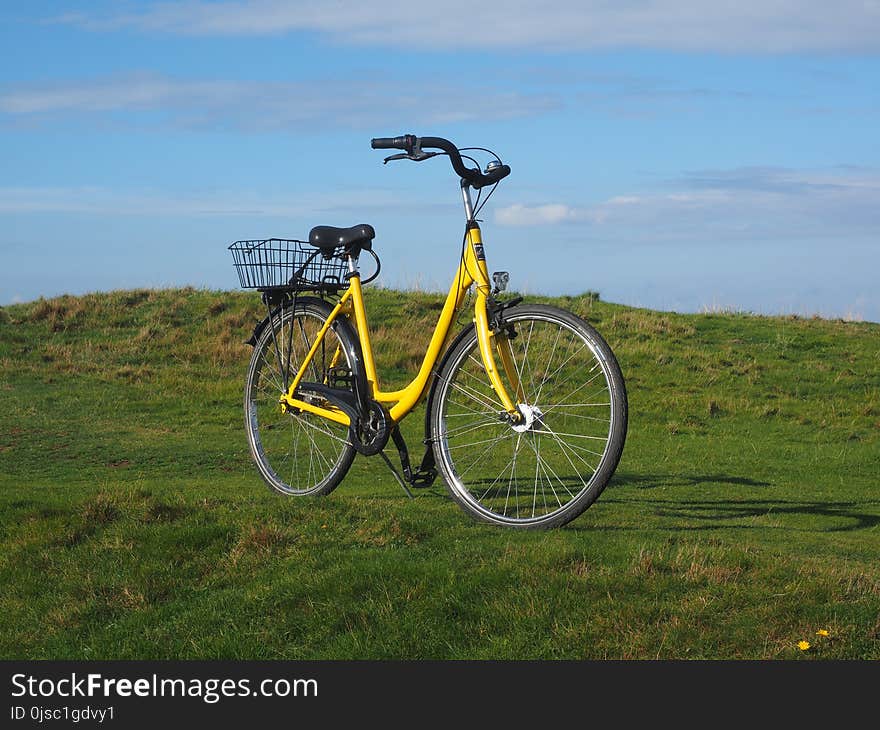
(415, 156)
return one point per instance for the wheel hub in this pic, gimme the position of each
(530, 416)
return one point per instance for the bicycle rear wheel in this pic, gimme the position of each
(550, 467)
(297, 453)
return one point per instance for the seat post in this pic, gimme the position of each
(353, 265)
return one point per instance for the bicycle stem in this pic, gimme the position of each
(468, 203)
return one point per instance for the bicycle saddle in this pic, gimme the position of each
(329, 237)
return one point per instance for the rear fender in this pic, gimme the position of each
(347, 336)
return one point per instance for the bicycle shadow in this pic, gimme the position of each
(711, 514)
(652, 481)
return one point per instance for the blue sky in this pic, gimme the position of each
(671, 154)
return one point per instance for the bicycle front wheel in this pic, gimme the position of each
(297, 453)
(548, 468)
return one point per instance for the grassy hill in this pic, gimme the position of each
(744, 516)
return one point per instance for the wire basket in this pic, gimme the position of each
(280, 263)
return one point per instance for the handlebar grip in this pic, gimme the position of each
(404, 142)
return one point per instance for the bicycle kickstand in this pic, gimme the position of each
(396, 474)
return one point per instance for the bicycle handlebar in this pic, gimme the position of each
(471, 175)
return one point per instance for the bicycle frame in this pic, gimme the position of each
(471, 270)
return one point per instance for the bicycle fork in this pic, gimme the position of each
(491, 335)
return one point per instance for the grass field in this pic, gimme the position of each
(743, 519)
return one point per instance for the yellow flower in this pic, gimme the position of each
(822, 632)
(803, 645)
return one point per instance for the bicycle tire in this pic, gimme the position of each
(296, 454)
(475, 445)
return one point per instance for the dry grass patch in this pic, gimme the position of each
(649, 324)
(261, 540)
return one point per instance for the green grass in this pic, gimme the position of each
(743, 517)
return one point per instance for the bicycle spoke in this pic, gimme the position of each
(558, 478)
(476, 398)
(585, 418)
(558, 386)
(576, 448)
(549, 363)
(570, 435)
(314, 425)
(307, 345)
(541, 468)
(578, 415)
(512, 472)
(516, 367)
(272, 373)
(468, 427)
(565, 362)
(537, 472)
(510, 464)
(527, 364)
(470, 412)
(546, 409)
(480, 377)
(480, 456)
(477, 443)
(571, 463)
(568, 448)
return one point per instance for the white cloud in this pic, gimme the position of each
(105, 201)
(261, 105)
(520, 215)
(745, 203)
(535, 215)
(135, 92)
(763, 26)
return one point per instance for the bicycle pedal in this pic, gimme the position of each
(423, 479)
(340, 378)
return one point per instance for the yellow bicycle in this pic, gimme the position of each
(526, 408)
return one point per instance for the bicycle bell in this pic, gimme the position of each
(492, 166)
